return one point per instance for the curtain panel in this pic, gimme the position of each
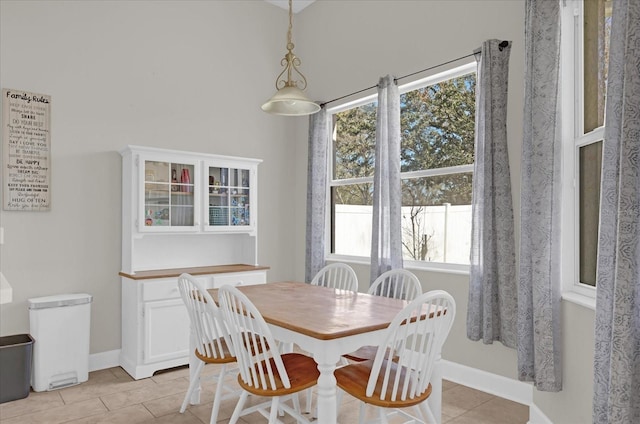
(386, 234)
(539, 320)
(617, 333)
(316, 193)
(493, 285)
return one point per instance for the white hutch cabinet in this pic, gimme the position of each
(181, 212)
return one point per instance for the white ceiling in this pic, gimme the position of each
(298, 5)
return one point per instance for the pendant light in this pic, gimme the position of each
(290, 99)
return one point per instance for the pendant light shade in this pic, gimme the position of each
(290, 99)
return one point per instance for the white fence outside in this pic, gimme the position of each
(447, 227)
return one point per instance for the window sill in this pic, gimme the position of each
(457, 269)
(583, 300)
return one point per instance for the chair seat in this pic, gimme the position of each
(365, 353)
(301, 369)
(224, 356)
(353, 379)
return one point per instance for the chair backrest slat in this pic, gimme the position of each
(256, 350)
(414, 338)
(207, 327)
(337, 276)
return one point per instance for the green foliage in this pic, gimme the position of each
(437, 124)
(437, 129)
(354, 145)
(434, 191)
(353, 194)
(354, 142)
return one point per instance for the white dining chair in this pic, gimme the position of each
(212, 342)
(399, 376)
(337, 276)
(395, 283)
(264, 371)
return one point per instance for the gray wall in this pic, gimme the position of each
(181, 75)
(192, 75)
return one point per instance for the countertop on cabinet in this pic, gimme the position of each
(200, 270)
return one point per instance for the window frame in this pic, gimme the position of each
(574, 137)
(467, 67)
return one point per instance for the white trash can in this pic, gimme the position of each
(60, 327)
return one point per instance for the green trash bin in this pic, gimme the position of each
(15, 366)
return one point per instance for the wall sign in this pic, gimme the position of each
(26, 151)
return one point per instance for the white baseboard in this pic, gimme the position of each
(103, 360)
(487, 382)
(536, 416)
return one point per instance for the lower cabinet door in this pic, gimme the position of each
(166, 330)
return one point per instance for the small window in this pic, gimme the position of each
(596, 24)
(586, 59)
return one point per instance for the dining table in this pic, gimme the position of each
(328, 323)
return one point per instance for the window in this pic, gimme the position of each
(437, 152)
(585, 52)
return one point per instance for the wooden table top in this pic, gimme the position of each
(200, 270)
(320, 312)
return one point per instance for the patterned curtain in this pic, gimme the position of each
(316, 193)
(617, 347)
(539, 341)
(493, 287)
(386, 235)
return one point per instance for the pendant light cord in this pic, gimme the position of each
(289, 43)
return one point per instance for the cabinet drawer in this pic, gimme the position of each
(239, 279)
(166, 288)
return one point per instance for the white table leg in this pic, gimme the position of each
(193, 364)
(327, 408)
(435, 400)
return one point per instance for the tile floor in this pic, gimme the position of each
(112, 396)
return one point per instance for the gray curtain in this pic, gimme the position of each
(493, 286)
(316, 192)
(539, 339)
(386, 234)
(617, 347)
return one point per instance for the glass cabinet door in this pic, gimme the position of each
(168, 194)
(229, 190)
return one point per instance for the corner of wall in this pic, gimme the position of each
(487, 382)
(104, 360)
(536, 416)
